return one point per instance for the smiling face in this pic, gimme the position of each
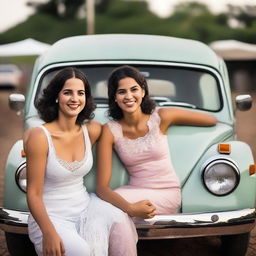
(129, 95)
(72, 97)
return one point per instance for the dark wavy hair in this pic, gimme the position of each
(147, 104)
(47, 107)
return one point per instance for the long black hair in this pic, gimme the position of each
(47, 107)
(147, 104)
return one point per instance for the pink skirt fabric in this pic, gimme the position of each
(166, 200)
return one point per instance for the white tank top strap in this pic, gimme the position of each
(48, 136)
(86, 137)
(116, 129)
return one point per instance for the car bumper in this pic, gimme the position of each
(14, 221)
(162, 226)
(196, 225)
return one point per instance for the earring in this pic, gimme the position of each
(57, 101)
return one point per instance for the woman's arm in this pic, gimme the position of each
(36, 152)
(143, 209)
(94, 130)
(178, 116)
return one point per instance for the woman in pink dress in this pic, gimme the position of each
(138, 135)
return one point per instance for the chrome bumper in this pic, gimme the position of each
(198, 224)
(14, 221)
(163, 226)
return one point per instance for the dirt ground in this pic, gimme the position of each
(11, 130)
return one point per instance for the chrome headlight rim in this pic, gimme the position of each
(222, 160)
(17, 176)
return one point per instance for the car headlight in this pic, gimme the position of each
(21, 177)
(221, 176)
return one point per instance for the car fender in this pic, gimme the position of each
(14, 197)
(196, 198)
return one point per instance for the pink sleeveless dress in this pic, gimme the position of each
(147, 160)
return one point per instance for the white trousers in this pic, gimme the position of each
(102, 230)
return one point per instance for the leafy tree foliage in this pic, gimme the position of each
(189, 20)
(245, 15)
(70, 7)
(52, 7)
(102, 5)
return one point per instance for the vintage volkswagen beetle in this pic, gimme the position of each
(216, 171)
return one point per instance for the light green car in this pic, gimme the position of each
(216, 171)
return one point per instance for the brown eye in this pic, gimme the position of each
(120, 92)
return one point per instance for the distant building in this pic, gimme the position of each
(241, 62)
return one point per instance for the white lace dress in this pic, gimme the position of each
(76, 215)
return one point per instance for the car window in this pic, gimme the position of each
(8, 69)
(168, 86)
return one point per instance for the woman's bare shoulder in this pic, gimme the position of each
(34, 132)
(166, 111)
(34, 136)
(94, 126)
(94, 130)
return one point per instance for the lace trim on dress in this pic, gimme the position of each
(141, 144)
(138, 145)
(71, 166)
(156, 117)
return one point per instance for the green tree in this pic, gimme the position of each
(246, 15)
(58, 8)
(102, 5)
(195, 20)
(189, 20)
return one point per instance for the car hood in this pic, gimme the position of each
(188, 144)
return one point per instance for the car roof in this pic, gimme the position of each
(107, 47)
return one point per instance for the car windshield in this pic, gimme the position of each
(168, 86)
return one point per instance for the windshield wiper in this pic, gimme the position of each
(179, 104)
(100, 100)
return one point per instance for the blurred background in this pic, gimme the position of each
(29, 27)
(229, 21)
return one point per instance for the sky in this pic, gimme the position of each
(13, 12)
(164, 7)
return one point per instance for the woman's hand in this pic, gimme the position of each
(143, 209)
(53, 245)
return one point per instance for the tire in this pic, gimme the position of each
(19, 245)
(235, 245)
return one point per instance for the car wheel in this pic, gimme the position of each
(235, 245)
(19, 245)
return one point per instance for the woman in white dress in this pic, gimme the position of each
(65, 219)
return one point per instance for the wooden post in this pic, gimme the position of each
(90, 15)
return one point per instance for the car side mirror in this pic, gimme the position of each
(244, 102)
(17, 102)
